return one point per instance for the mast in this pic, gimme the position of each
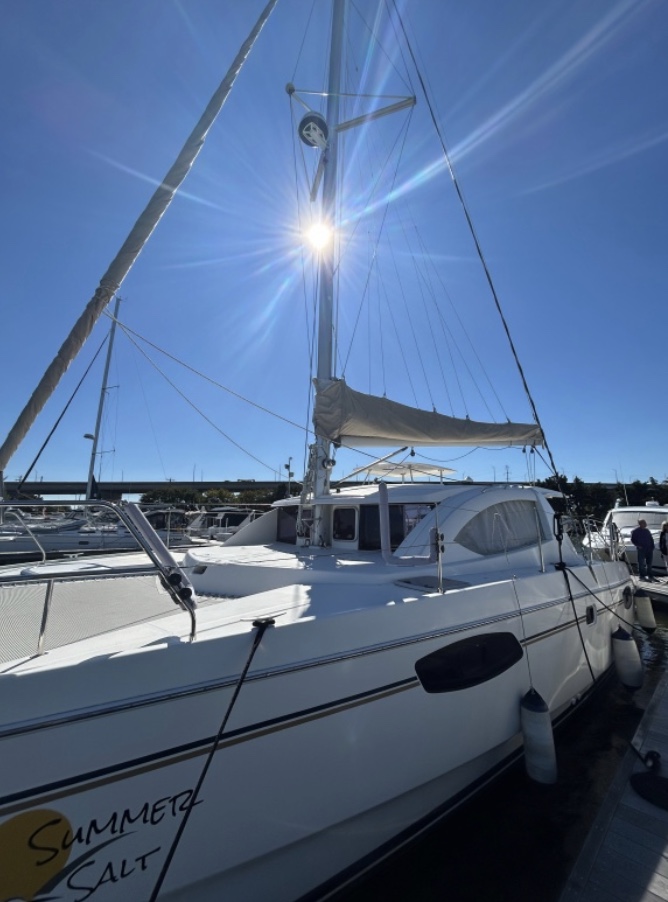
(100, 406)
(132, 247)
(325, 369)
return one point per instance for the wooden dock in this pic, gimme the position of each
(625, 856)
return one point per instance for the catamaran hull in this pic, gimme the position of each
(333, 751)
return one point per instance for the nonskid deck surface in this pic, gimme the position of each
(120, 613)
(118, 602)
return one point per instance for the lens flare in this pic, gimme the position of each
(319, 235)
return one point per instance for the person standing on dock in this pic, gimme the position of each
(663, 542)
(644, 542)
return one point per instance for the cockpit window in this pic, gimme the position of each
(503, 527)
(629, 519)
(343, 523)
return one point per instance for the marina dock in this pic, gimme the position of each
(625, 856)
(657, 589)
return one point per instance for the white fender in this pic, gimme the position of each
(644, 611)
(540, 757)
(627, 659)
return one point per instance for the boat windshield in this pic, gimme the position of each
(629, 519)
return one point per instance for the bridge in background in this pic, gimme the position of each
(113, 491)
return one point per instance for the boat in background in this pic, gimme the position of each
(613, 540)
(219, 523)
(270, 717)
(87, 529)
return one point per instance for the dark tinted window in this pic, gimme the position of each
(370, 527)
(343, 523)
(234, 519)
(287, 525)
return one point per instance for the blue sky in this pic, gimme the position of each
(556, 115)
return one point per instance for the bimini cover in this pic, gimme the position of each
(350, 418)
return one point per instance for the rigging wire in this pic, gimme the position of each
(147, 408)
(381, 332)
(192, 404)
(471, 346)
(373, 38)
(401, 137)
(131, 332)
(397, 335)
(474, 236)
(303, 42)
(426, 290)
(374, 180)
(411, 323)
(62, 414)
(424, 284)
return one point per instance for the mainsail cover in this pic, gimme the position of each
(350, 418)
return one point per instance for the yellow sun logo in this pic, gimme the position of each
(31, 852)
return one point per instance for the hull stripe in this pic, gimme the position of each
(41, 795)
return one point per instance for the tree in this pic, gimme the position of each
(173, 495)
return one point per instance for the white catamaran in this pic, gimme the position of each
(267, 718)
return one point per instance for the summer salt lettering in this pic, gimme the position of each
(118, 824)
(111, 873)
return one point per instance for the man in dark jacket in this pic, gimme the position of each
(642, 539)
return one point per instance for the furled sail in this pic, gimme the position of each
(350, 418)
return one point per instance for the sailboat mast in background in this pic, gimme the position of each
(100, 408)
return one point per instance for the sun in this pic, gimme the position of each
(319, 235)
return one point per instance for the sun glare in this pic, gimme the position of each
(319, 235)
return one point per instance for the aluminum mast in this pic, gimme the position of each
(325, 368)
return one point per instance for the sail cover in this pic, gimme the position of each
(350, 418)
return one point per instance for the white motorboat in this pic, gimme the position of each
(267, 718)
(613, 539)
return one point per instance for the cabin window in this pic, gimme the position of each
(370, 527)
(235, 518)
(503, 527)
(403, 517)
(287, 523)
(413, 513)
(343, 523)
